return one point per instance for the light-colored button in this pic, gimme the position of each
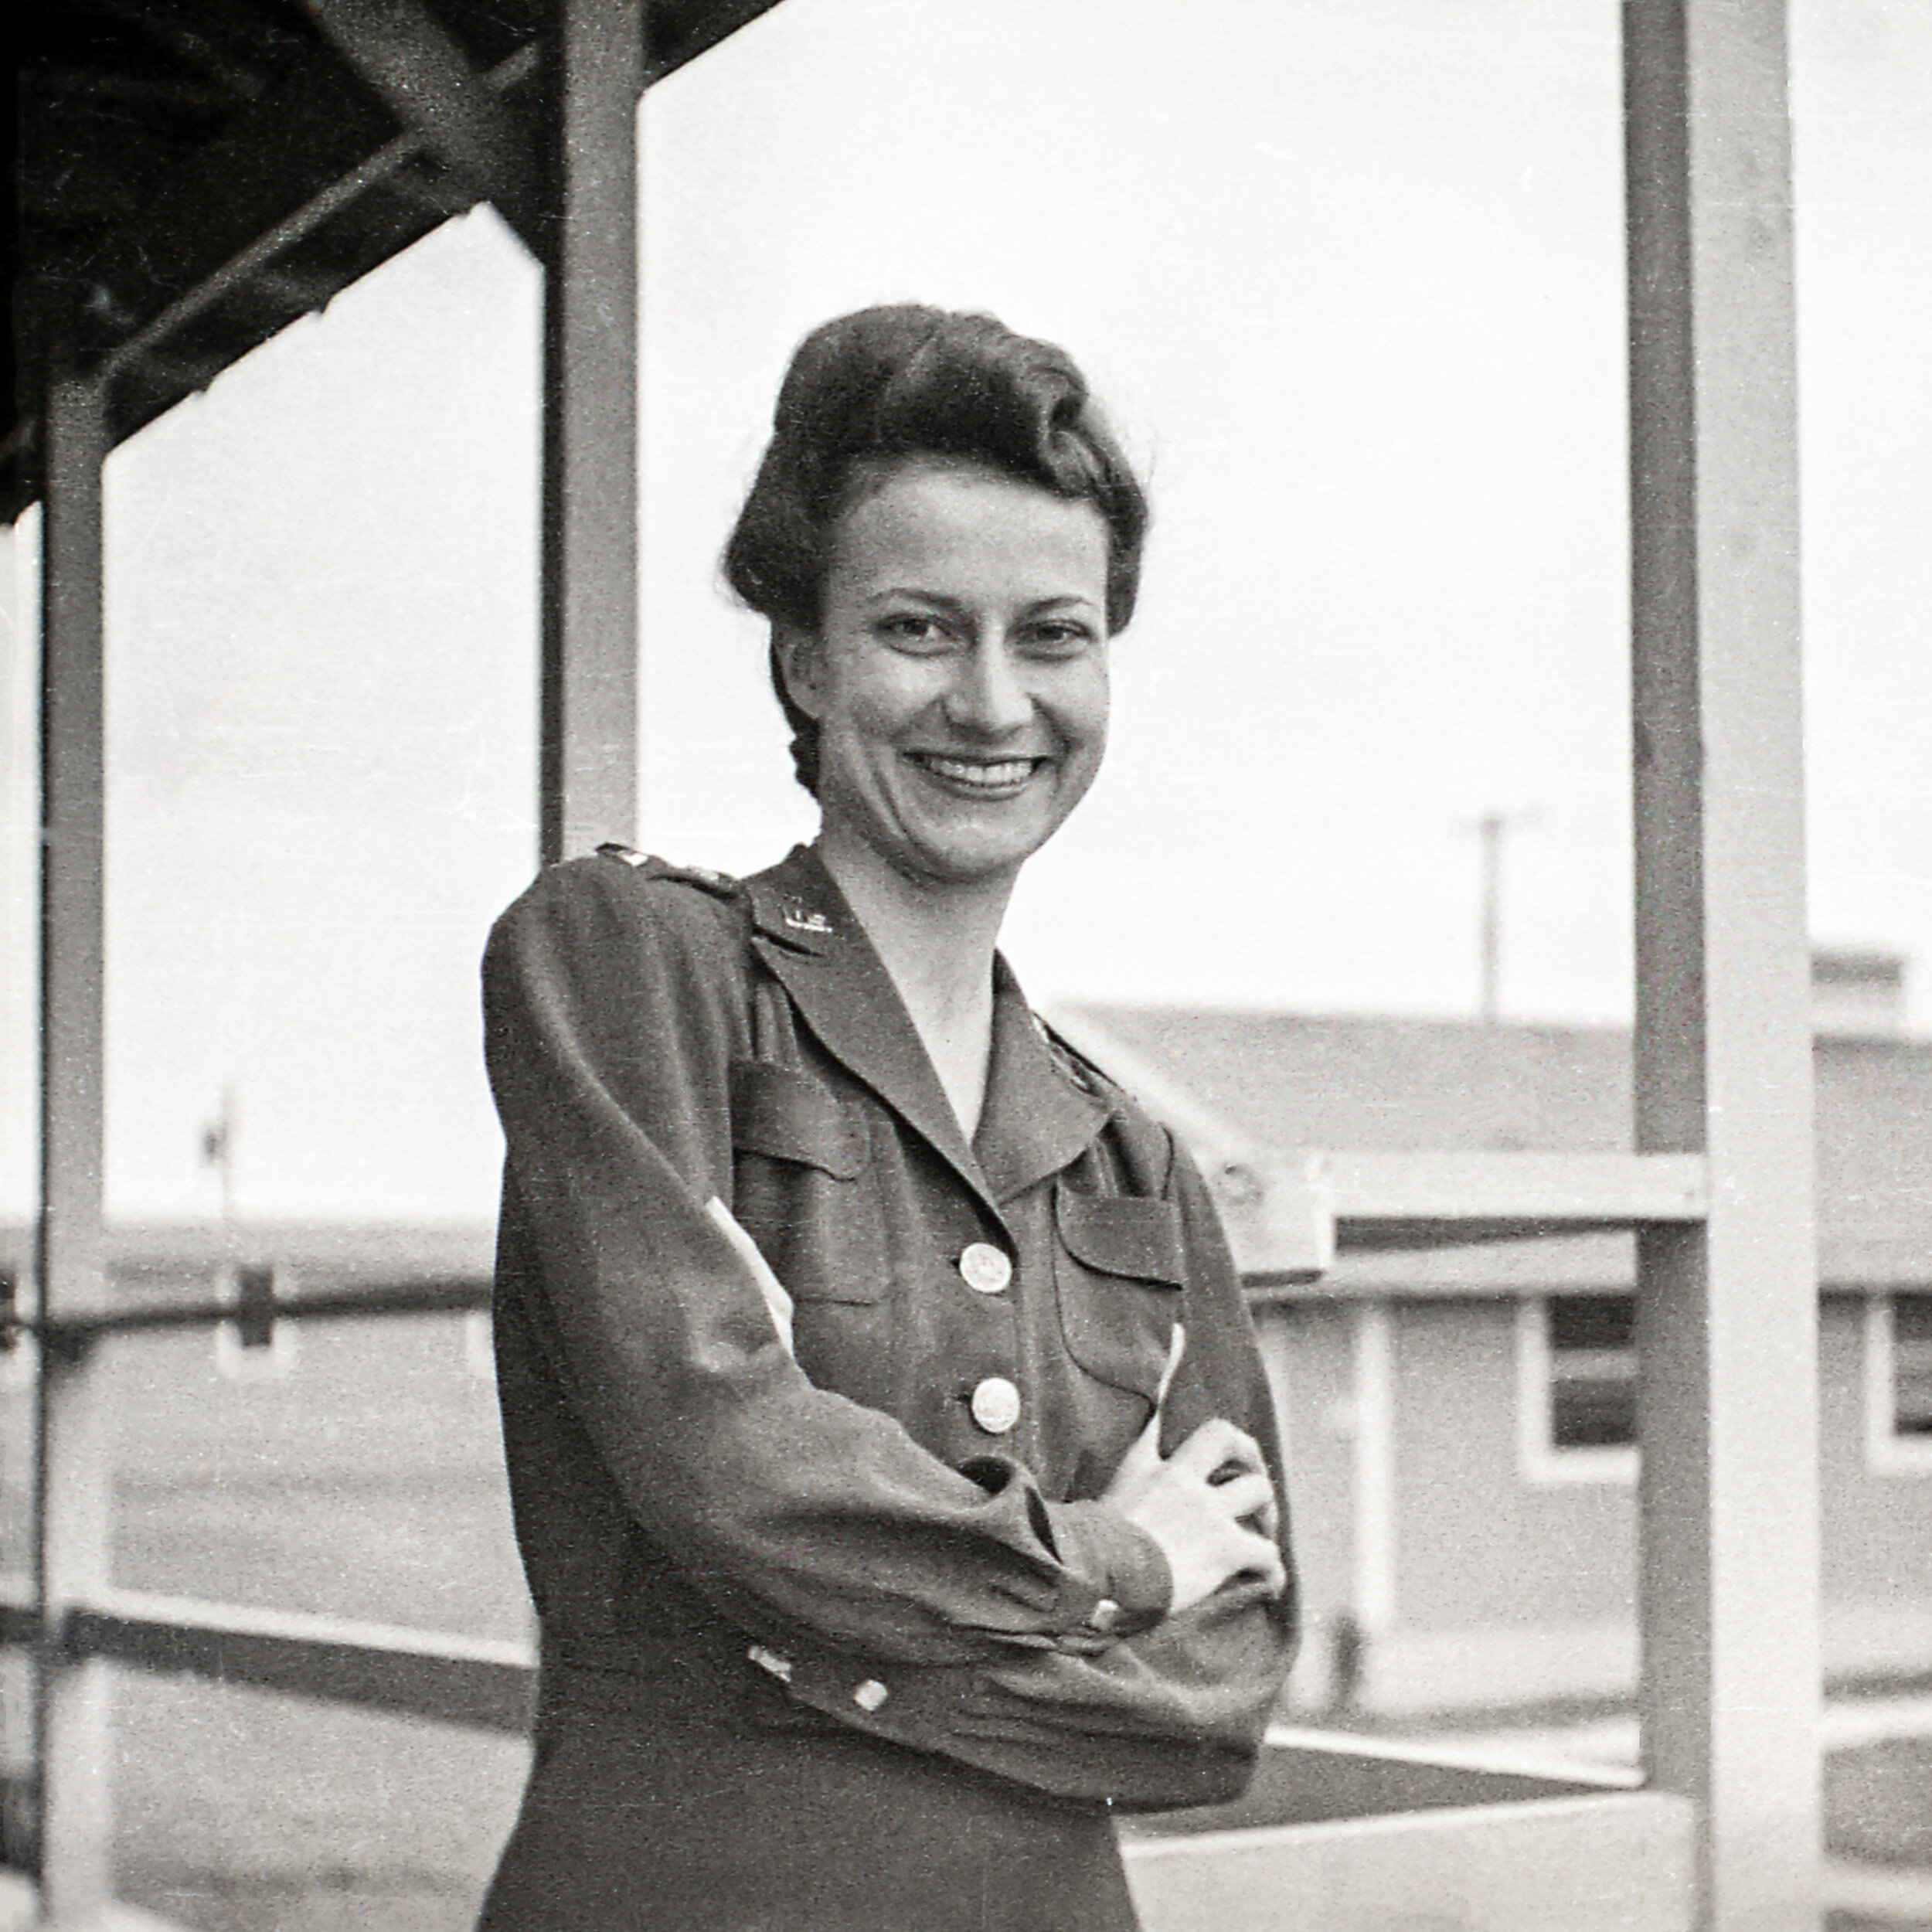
(986, 1269)
(995, 1405)
(1107, 1617)
(870, 1694)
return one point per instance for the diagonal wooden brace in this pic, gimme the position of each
(427, 80)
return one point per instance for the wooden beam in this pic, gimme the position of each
(72, 1471)
(1288, 1220)
(589, 709)
(458, 1294)
(454, 1680)
(1727, 1308)
(425, 81)
(261, 252)
(1473, 1195)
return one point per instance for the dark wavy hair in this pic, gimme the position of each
(906, 382)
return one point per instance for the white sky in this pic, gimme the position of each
(1349, 273)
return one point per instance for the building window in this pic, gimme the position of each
(1898, 1361)
(1912, 1366)
(1593, 1370)
(1576, 1380)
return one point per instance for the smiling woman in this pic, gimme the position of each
(957, 677)
(893, 1469)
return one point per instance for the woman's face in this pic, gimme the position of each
(958, 675)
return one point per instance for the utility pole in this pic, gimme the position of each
(218, 1151)
(1491, 828)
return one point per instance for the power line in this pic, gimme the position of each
(1491, 828)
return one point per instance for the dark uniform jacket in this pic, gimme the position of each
(888, 1544)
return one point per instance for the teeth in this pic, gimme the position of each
(1012, 771)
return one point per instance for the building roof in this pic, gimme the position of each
(226, 164)
(1377, 1085)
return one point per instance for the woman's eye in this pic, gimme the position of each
(1059, 640)
(912, 632)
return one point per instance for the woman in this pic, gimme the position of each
(893, 1466)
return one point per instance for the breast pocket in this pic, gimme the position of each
(803, 1190)
(800, 1156)
(1119, 1272)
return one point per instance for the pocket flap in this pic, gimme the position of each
(790, 1116)
(1123, 1234)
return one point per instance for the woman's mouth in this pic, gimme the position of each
(983, 778)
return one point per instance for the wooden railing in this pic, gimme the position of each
(1288, 1219)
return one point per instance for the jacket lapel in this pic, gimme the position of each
(1038, 1117)
(805, 933)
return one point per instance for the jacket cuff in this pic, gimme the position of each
(1131, 1587)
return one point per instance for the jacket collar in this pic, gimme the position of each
(1036, 1119)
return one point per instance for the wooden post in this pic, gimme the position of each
(1374, 1598)
(72, 1475)
(1727, 1320)
(589, 754)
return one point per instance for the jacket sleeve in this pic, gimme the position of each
(612, 1008)
(1173, 1716)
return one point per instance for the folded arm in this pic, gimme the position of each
(1175, 1715)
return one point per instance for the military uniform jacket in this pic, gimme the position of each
(893, 1533)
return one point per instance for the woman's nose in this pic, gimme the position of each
(987, 694)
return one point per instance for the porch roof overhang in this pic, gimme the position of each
(191, 176)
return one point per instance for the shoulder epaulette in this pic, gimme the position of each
(718, 884)
(1085, 1073)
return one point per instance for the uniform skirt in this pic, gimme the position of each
(642, 1812)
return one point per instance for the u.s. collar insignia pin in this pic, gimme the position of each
(801, 921)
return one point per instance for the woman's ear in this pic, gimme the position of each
(802, 664)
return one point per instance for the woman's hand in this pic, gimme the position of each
(1210, 1506)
